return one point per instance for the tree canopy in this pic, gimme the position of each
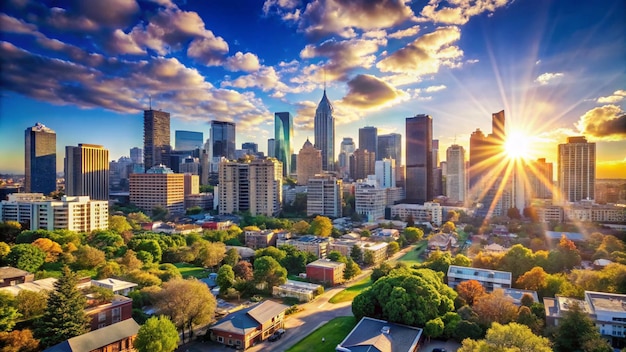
(509, 337)
(158, 334)
(321, 226)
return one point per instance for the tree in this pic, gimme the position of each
(466, 329)
(130, 261)
(51, 248)
(413, 234)
(366, 233)
(513, 213)
(301, 227)
(382, 270)
(577, 332)
(108, 241)
(392, 248)
(210, 254)
(243, 270)
(159, 213)
(158, 334)
(9, 231)
(19, 341)
(268, 270)
(534, 279)
(448, 227)
(271, 251)
(526, 317)
(119, 224)
(8, 312)
(509, 337)
(225, 277)
(356, 253)
(517, 260)
(151, 246)
(187, 303)
(336, 256)
(321, 226)
(434, 328)
(4, 250)
(495, 307)
(26, 257)
(63, 302)
(136, 219)
(470, 290)
(352, 269)
(88, 257)
(231, 257)
(368, 257)
(31, 303)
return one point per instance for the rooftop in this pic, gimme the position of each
(325, 263)
(478, 272)
(378, 335)
(245, 320)
(606, 301)
(98, 338)
(7, 272)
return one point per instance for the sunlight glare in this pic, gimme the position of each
(517, 146)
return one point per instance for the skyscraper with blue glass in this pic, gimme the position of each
(283, 135)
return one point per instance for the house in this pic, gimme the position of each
(495, 248)
(378, 335)
(10, 276)
(386, 235)
(103, 314)
(118, 337)
(303, 291)
(46, 284)
(490, 279)
(119, 287)
(260, 239)
(442, 241)
(325, 271)
(249, 326)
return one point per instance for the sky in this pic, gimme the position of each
(87, 69)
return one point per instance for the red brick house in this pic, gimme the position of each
(249, 326)
(325, 271)
(118, 337)
(104, 314)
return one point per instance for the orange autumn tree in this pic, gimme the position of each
(470, 290)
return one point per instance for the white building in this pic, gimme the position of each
(324, 196)
(456, 185)
(385, 171)
(370, 200)
(490, 279)
(74, 213)
(429, 212)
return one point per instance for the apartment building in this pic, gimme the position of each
(490, 279)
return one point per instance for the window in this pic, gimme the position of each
(102, 316)
(220, 339)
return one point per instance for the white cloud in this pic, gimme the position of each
(458, 12)
(616, 97)
(248, 62)
(433, 89)
(403, 33)
(548, 77)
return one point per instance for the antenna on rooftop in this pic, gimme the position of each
(150, 99)
(324, 71)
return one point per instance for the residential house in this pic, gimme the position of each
(117, 337)
(103, 314)
(385, 235)
(10, 276)
(378, 335)
(442, 241)
(516, 295)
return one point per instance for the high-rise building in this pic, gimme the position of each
(136, 155)
(252, 147)
(497, 126)
(40, 146)
(345, 152)
(254, 186)
(419, 164)
(158, 187)
(456, 186)
(87, 171)
(390, 146)
(577, 169)
(324, 196)
(385, 171)
(324, 126)
(541, 179)
(362, 164)
(271, 148)
(222, 139)
(283, 135)
(188, 140)
(370, 200)
(479, 154)
(309, 163)
(437, 174)
(156, 138)
(368, 139)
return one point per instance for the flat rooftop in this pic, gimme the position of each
(606, 301)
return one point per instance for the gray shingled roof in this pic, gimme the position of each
(266, 310)
(97, 338)
(367, 335)
(250, 318)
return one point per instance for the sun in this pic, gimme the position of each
(517, 145)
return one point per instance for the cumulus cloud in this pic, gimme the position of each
(617, 96)
(433, 89)
(458, 12)
(604, 123)
(403, 33)
(266, 79)
(426, 54)
(248, 62)
(548, 77)
(366, 92)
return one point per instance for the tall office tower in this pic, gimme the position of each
(437, 174)
(456, 186)
(577, 169)
(390, 146)
(419, 154)
(87, 171)
(362, 163)
(309, 163)
(435, 153)
(385, 171)
(156, 138)
(136, 155)
(255, 186)
(324, 196)
(324, 126)
(252, 147)
(283, 135)
(271, 148)
(497, 125)
(479, 154)
(223, 139)
(188, 140)
(158, 187)
(40, 161)
(541, 179)
(368, 139)
(345, 152)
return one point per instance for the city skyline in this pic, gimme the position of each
(556, 69)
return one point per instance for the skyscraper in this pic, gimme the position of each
(222, 139)
(390, 146)
(87, 171)
(456, 187)
(156, 138)
(345, 152)
(136, 155)
(577, 169)
(437, 175)
(541, 179)
(40, 161)
(362, 164)
(385, 171)
(283, 135)
(497, 125)
(368, 139)
(271, 148)
(324, 126)
(252, 147)
(309, 163)
(419, 154)
(188, 140)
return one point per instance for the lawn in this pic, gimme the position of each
(333, 332)
(413, 256)
(189, 270)
(349, 293)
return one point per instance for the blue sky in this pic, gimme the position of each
(87, 68)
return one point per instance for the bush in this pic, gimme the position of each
(293, 309)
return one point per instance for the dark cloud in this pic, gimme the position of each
(366, 91)
(604, 123)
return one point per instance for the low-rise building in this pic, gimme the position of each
(117, 337)
(378, 335)
(202, 200)
(325, 271)
(104, 314)
(442, 241)
(378, 249)
(260, 239)
(118, 287)
(490, 279)
(10, 276)
(318, 246)
(429, 212)
(249, 326)
(385, 235)
(516, 295)
(324, 196)
(303, 291)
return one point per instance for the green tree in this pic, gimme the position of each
(356, 253)
(26, 257)
(392, 248)
(434, 328)
(119, 224)
(382, 270)
(5, 249)
(159, 213)
(413, 234)
(352, 269)
(368, 257)
(321, 226)
(88, 257)
(9, 231)
(158, 334)
(268, 270)
(509, 337)
(336, 256)
(231, 257)
(517, 260)
(63, 302)
(271, 251)
(225, 278)
(210, 254)
(109, 242)
(31, 303)
(577, 332)
(438, 261)
(136, 219)
(8, 312)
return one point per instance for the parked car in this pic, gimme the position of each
(277, 335)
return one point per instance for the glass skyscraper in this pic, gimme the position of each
(368, 139)
(222, 139)
(324, 126)
(419, 154)
(40, 146)
(188, 140)
(390, 146)
(283, 134)
(156, 138)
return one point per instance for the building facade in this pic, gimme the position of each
(156, 138)
(370, 200)
(87, 171)
(188, 140)
(577, 169)
(385, 171)
(456, 186)
(324, 196)
(346, 150)
(283, 136)
(158, 187)
(489, 279)
(309, 163)
(362, 164)
(222, 140)
(542, 179)
(325, 271)
(419, 164)
(318, 246)
(429, 212)
(324, 130)
(368, 139)
(260, 239)
(40, 159)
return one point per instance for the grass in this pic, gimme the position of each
(188, 270)
(333, 332)
(349, 293)
(413, 256)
